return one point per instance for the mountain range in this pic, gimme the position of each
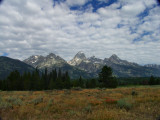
(91, 66)
(80, 65)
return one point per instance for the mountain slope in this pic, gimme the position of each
(90, 67)
(8, 65)
(53, 61)
(121, 68)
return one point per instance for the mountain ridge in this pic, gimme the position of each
(93, 65)
(8, 65)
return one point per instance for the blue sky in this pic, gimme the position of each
(130, 29)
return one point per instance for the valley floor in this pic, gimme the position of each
(124, 103)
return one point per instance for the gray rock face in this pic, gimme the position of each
(45, 62)
(121, 68)
(34, 60)
(78, 58)
(53, 61)
(93, 59)
(80, 55)
(91, 66)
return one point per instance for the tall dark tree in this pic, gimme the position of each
(81, 82)
(152, 80)
(45, 79)
(67, 83)
(92, 83)
(14, 81)
(26, 81)
(106, 78)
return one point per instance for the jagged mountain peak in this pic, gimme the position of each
(34, 57)
(80, 55)
(92, 65)
(51, 55)
(41, 61)
(114, 56)
(78, 58)
(93, 59)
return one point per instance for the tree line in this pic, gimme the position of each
(139, 81)
(56, 79)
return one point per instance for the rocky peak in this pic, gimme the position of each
(115, 57)
(51, 56)
(78, 58)
(80, 55)
(33, 58)
(93, 59)
(42, 62)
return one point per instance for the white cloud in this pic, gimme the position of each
(133, 9)
(36, 27)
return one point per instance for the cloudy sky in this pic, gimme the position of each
(128, 28)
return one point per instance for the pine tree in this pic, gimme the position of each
(81, 82)
(92, 83)
(67, 83)
(105, 77)
(14, 81)
(45, 78)
(152, 81)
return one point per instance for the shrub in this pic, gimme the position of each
(77, 88)
(88, 109)
(49, 104)
(37, 100)
(126, 103)
(67, 92)
(14, 101)
(5, 105)
(134, 93)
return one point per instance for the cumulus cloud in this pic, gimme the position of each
(129, 29)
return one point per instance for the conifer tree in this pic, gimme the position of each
(67, 83)
(152, 81)
(106, 78)
(81, 82)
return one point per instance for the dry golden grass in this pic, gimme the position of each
(86, 104)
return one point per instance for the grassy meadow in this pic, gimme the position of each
(123, 103)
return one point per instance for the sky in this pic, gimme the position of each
(128, 28)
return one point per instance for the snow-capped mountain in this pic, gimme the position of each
(120, 67)
(78, 58)
(87, 64)
(34, 60)
(53, 61)
(81, 65)
(45, 62)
